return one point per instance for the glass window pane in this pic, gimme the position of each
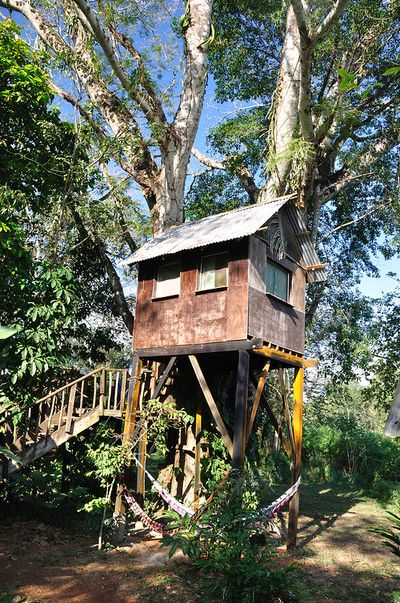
(214, 271)
(277, 281)
(168, 280)
(281, 280)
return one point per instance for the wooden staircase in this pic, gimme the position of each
(61, 415)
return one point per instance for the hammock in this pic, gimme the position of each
(138, 511)
(274, 507)
(265, 512)
(173, 504)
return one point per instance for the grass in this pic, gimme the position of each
(338, 559)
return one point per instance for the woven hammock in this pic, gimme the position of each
(174, 504)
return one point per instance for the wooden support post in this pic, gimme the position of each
(102, 390)
(257, 398)
(211, 404)
(141, 476)
(135, 388)
(298, 389)
(285, 442)
(197, 460)
(286, 413)
(239, 429)
(70, 410)
(157, 390)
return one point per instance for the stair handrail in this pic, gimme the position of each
(55, 392)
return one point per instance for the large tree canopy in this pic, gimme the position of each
(120, 62)
(318, 84)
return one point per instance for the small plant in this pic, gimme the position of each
(231, 548)
(391, 535)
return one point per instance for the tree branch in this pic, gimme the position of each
(114, 280)
(301, 19)
(140, 96)
(241, 171)
(329, 20)
(350, 222)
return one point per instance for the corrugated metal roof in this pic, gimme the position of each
(229, 225)
(308, 253)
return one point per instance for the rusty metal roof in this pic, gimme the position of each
(226, 226)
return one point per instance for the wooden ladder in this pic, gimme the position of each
(62, 414)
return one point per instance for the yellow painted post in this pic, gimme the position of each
(298, 389)
(197, 460)
(135, 388)
(141, 478)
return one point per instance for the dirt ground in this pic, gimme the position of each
(337, 560)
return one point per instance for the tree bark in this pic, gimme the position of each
(162, 183)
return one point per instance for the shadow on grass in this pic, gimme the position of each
(322, 505)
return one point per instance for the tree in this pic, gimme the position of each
(49, 283)
(117, 91)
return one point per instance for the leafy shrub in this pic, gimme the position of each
(391, 535)
(344, 447)
(233, 551)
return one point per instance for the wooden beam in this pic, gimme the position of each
(257, 398)
(201, 348)
(70, 410)
(239, 430)
(286, 411)
(285, 442)
(285, 357)
(135, 387)
(310, 362)
(211, 404)
(298, 388)
(163, 378)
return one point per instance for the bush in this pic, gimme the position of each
(346, 448)
(232, 550)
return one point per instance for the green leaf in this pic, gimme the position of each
(395, 70)
(6, 332)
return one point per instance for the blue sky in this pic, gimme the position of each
(374, 287)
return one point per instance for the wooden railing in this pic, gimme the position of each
(104, 389)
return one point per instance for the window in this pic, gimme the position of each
(168, 280)
(277, 281)
(214, 271)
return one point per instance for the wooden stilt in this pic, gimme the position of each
(157, 389)
(239, 430)
(286, 414)
(211, 404)
(134, 391)
(140, 478)
(298, 435)
(257, 398)
(197, 466)
(284, 441)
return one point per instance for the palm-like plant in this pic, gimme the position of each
(391, 534)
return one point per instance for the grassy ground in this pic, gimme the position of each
(337, 560)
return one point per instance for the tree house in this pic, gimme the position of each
(227, 293)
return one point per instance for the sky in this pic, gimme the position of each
(375, 287)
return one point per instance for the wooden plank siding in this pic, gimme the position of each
(242, 310)
(193, 317)
(271, 319)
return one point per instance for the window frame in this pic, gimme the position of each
(201, 289)
(288, 272)
(156, 295)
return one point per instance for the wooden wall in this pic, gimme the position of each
(193, 317)
(274, 320)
